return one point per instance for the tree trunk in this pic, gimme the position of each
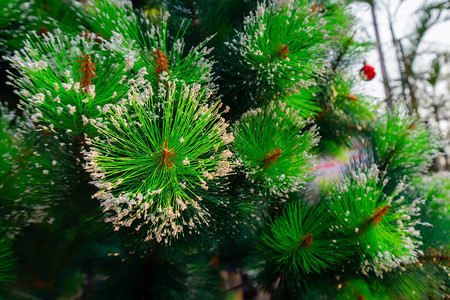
(387, 88)
(401, 66)
(409, 76)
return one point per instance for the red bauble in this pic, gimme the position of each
(367, 73)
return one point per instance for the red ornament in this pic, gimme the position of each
(367, 72)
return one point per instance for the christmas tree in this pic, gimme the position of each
(209, 150)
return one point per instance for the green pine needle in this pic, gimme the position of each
(35, 171)
(160, 163)
(381, 226)
(275, 147)
(119, 23)
(6, 258)
(305, 102)
(436, 190)
(402, 145)
(300, 242)
(58, 90)
(281, 49)
(20, 17)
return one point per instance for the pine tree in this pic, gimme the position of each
(156, 149)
